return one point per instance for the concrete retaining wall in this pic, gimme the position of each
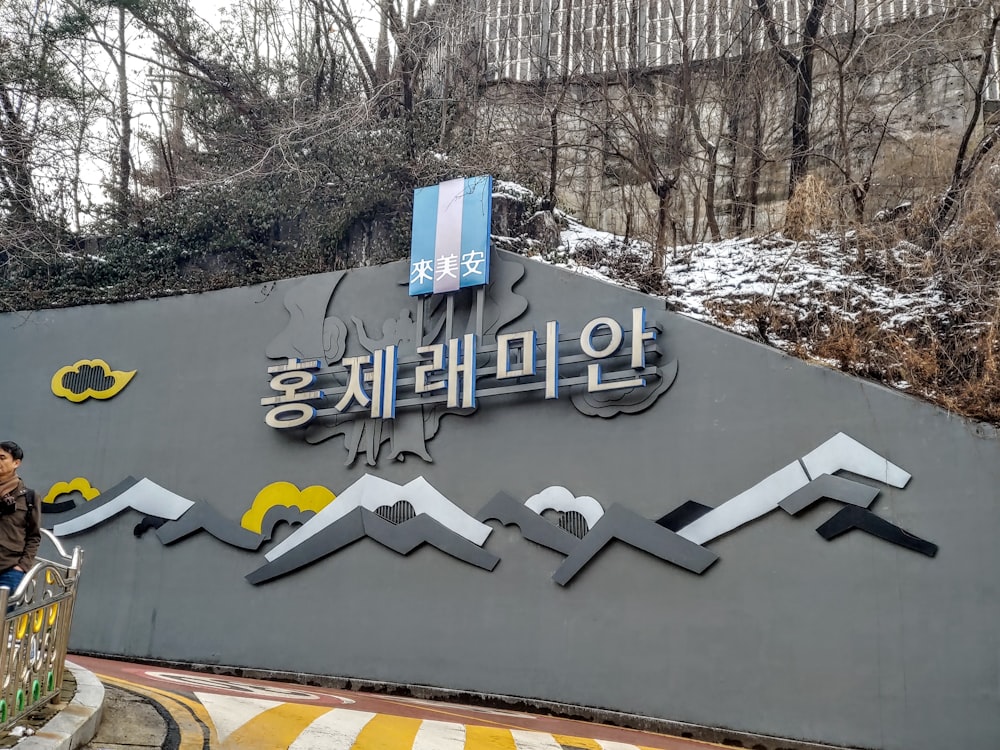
(855, 641)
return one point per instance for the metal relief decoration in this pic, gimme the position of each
(89, 378)
(679, 536)
(52, 503)
(142, 495)
(406, 517)
(384, 386)
(281, 495)
(366, 509)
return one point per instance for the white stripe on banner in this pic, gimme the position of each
(448, 236)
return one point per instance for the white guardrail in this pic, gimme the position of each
(36, 632)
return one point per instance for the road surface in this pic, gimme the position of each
(197, 711)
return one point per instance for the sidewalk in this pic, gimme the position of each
(66, 725)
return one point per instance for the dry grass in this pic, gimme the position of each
(811, 209)
(949, 354)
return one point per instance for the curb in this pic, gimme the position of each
(77, 723)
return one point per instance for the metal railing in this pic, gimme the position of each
(36, 633)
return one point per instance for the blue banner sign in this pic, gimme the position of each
(450, 245)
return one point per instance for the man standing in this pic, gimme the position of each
(20, 519)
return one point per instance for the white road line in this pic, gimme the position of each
(439, 735)
(612, 745)
(335, 730)
(229, 713)
(534, 740)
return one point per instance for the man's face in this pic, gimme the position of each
(8, 464)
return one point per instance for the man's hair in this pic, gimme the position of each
(13, 449)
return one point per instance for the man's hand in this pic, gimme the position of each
(18, 569)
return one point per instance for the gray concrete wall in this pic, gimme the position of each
(853, 641)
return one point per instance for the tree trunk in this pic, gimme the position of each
(664, 191)
(756, 167)
(550, 195)
(123, 199)
(799, 163)
(962, 172)
(710, 218)
(15, 163)
(802, 68)
(802, 113)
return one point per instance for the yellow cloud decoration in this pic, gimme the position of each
(81, 485)
(120, 379)
(285, 495)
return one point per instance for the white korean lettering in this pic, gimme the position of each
(384, 383)
(355, 392)
(462, 372)
(595, 378)
(437, 363)
(288, 410)
(524, 345)
(552, 359)
(587, 338)
(294, 364)
(286, 416)
(640, 335)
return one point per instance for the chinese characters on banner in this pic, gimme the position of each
(450, 245)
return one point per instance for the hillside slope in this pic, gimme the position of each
(877, 307)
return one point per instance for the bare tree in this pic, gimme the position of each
(968, 159)
(801, 65)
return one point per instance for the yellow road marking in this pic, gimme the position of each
(276, 728)
(193, 733)
(199, 711)
(488, 738)
(462, 718)
(385, 732)
(477, 737)
(482, 720)
(577, 742)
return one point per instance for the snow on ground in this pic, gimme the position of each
(866, 302)
(720, 282)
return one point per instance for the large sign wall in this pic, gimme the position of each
(555, 489)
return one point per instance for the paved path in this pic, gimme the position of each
(201, 711)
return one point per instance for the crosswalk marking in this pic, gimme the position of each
(274, 728)
(534, 740)
(440, 735)
(243, 723)
(335, 730)
(230, 713)
(577, 743)
(385, 732)
(488, 738)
